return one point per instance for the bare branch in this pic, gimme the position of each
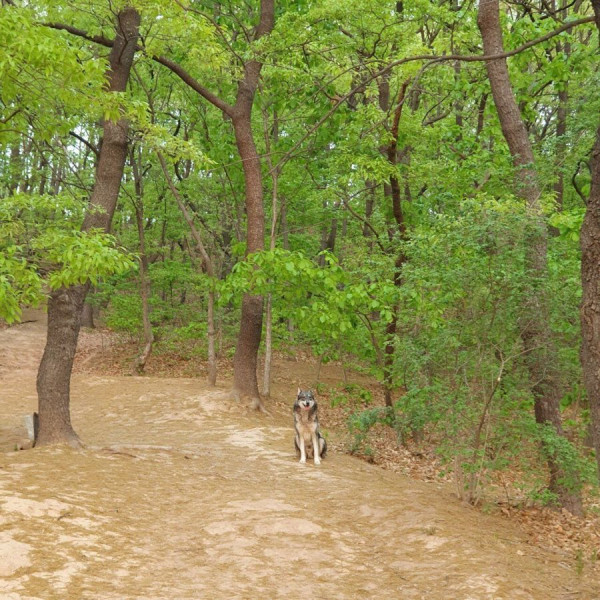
(97, 39)
(195, 85)
(434, 59)
(86, 142)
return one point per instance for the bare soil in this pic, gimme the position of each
(181, 493)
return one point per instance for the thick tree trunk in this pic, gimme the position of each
(535, 333)
(590, 281)
(590, 301)
(245, 360)
(65, 305)
(54, 375)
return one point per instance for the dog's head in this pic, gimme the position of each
(305, 400)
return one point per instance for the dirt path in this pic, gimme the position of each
(182, 494)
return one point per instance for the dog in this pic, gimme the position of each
(308, 439)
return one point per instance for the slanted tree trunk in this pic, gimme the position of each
(590, 282)
(534, 329)
(208, 266)
(65, 304)
(272, 238)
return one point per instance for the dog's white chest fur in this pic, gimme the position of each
(306, 427)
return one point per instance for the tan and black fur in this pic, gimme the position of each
(308, 439)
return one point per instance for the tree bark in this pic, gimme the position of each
(590, 282)
(87, 316)
(65, 304)
(534, 329)
(590, 301)
(272, 238)
(245, 360)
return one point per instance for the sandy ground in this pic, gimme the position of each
(182, 494)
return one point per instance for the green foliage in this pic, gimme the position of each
(577, 470)
(78, 257)
(351, 394)
(451, 277)
(325, 303)
(41, 246)
(20, 284)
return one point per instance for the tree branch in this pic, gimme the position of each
(166, 62)
(194, 84)
(433, 59)
(86, 142)
(97, 39)
(263, 27)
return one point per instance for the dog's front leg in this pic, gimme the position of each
(316, 449)
(302, 450)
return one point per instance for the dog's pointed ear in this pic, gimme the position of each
(299, 390)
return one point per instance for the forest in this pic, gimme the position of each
(407, 189)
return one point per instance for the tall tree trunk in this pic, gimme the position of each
(139, 363)
(272, 238)
(590, 301)
(590, 281)
(245, 359)
(400, 231)
(534, 330)
(65, 304)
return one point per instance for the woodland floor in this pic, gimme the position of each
(181, 493)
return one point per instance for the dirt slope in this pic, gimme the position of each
(182, 494)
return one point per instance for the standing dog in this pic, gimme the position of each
(308, 439)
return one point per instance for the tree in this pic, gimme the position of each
(590, 283)
(66, 303)
(537, 339)
(240, 114)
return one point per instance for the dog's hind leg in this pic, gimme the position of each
(322, 447)
(316, 448)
